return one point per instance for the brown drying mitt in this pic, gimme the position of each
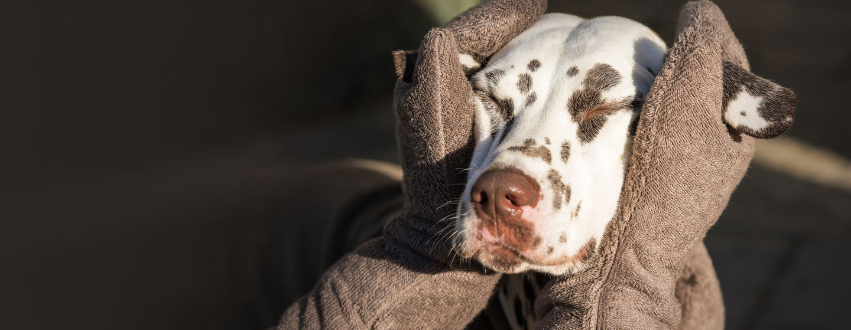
(406, 280)
(690, 152)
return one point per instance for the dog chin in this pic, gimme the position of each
(561, 270)
(499, 257)
(503, 260)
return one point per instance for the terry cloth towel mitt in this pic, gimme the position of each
(692, 148)
(409, 278)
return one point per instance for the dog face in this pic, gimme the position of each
(556, 111)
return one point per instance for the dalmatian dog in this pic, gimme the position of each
(557, 109)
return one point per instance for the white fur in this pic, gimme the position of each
(468, 62)
(742, 112)
(595, 170)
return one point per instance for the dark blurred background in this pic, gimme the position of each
(142, 144)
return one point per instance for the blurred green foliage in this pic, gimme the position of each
(444, 10)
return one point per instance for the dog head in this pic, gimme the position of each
(557, 108)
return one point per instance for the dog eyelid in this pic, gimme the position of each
(607, 108)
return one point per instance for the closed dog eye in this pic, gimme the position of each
(608, 108)
(503, 108)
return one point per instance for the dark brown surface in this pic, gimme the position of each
(131, 191)
(94, 87)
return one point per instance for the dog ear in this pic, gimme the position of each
(755, 106)
(480, 32)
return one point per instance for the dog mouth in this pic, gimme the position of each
(502, 257)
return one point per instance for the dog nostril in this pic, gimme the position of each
(480, 197)
(512, 199)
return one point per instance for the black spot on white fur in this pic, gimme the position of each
(582, 103)
(533, 65)
(576, 211)
(601, 77)
(573, 71)
(565, 151)
(524, 82)
(561, 191)
(530, 148)
(531, 99)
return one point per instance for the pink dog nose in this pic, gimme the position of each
(498, 196)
